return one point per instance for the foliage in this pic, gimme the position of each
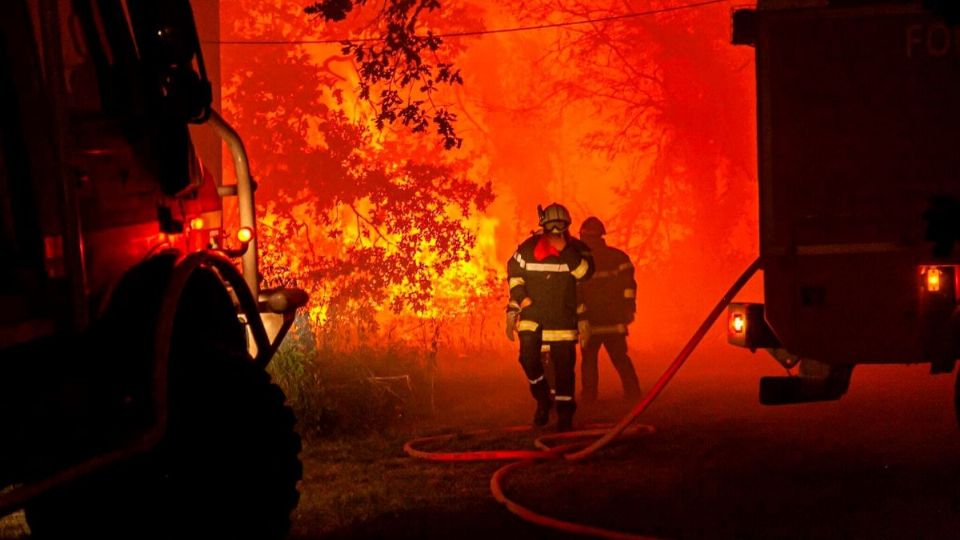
(374, 388)
(385, 241)
(337, 392)
(365, 220)
(395, 73)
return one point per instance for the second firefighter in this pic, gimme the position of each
(543, 275)
(610, 300)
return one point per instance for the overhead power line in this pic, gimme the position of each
(544, 26)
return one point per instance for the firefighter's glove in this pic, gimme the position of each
(583, 329)
(511, 327)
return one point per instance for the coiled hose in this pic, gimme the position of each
(553, 446)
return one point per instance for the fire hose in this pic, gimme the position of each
(553, 446)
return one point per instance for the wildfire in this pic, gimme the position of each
(383, 226)
(328, 254)
(472, 279)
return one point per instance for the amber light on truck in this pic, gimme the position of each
(938, 281)
(747, 327)
(933, 279)
(737, 323)
(245, 234)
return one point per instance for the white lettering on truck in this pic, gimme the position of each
(934, 40)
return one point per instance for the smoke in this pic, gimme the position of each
(647, 123)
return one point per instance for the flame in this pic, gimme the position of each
(457, 288)
(660, 193)
(470, 283)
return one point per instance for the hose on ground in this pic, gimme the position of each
(576, 451)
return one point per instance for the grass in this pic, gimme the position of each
(720, 466)
(357, 487)
(365, 486)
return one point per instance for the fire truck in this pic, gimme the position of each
(858, 107)
(134, 401)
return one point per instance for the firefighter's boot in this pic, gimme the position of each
(565, 410)
(541, 393)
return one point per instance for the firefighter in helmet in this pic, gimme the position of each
(610, 300)
(543, 276)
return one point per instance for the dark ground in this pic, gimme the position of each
(884, 462)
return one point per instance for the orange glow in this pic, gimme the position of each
(631, 138)
(457, 290)
(934, 279)
(196, 223)
(245, 234)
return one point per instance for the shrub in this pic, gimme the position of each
(362, 390)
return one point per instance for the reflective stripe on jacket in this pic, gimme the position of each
(546, 289)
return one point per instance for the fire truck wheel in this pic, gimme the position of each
(228, 467)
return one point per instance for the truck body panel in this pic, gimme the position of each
(125, 324)
(859, 119)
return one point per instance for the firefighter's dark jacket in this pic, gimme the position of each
(610, 295)
(545, 291)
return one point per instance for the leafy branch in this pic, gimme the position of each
(396, 65)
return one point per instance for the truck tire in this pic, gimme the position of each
(227, 468)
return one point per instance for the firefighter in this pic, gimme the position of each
(610, 303)
(543, 275)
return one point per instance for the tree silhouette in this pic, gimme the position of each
(366, 220)
(673, 98)
(398, 63)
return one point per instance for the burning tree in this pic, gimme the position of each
(368, 220)
(376, 229)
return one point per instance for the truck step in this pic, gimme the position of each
(789, 390)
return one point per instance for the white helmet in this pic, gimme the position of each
(554, 218)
